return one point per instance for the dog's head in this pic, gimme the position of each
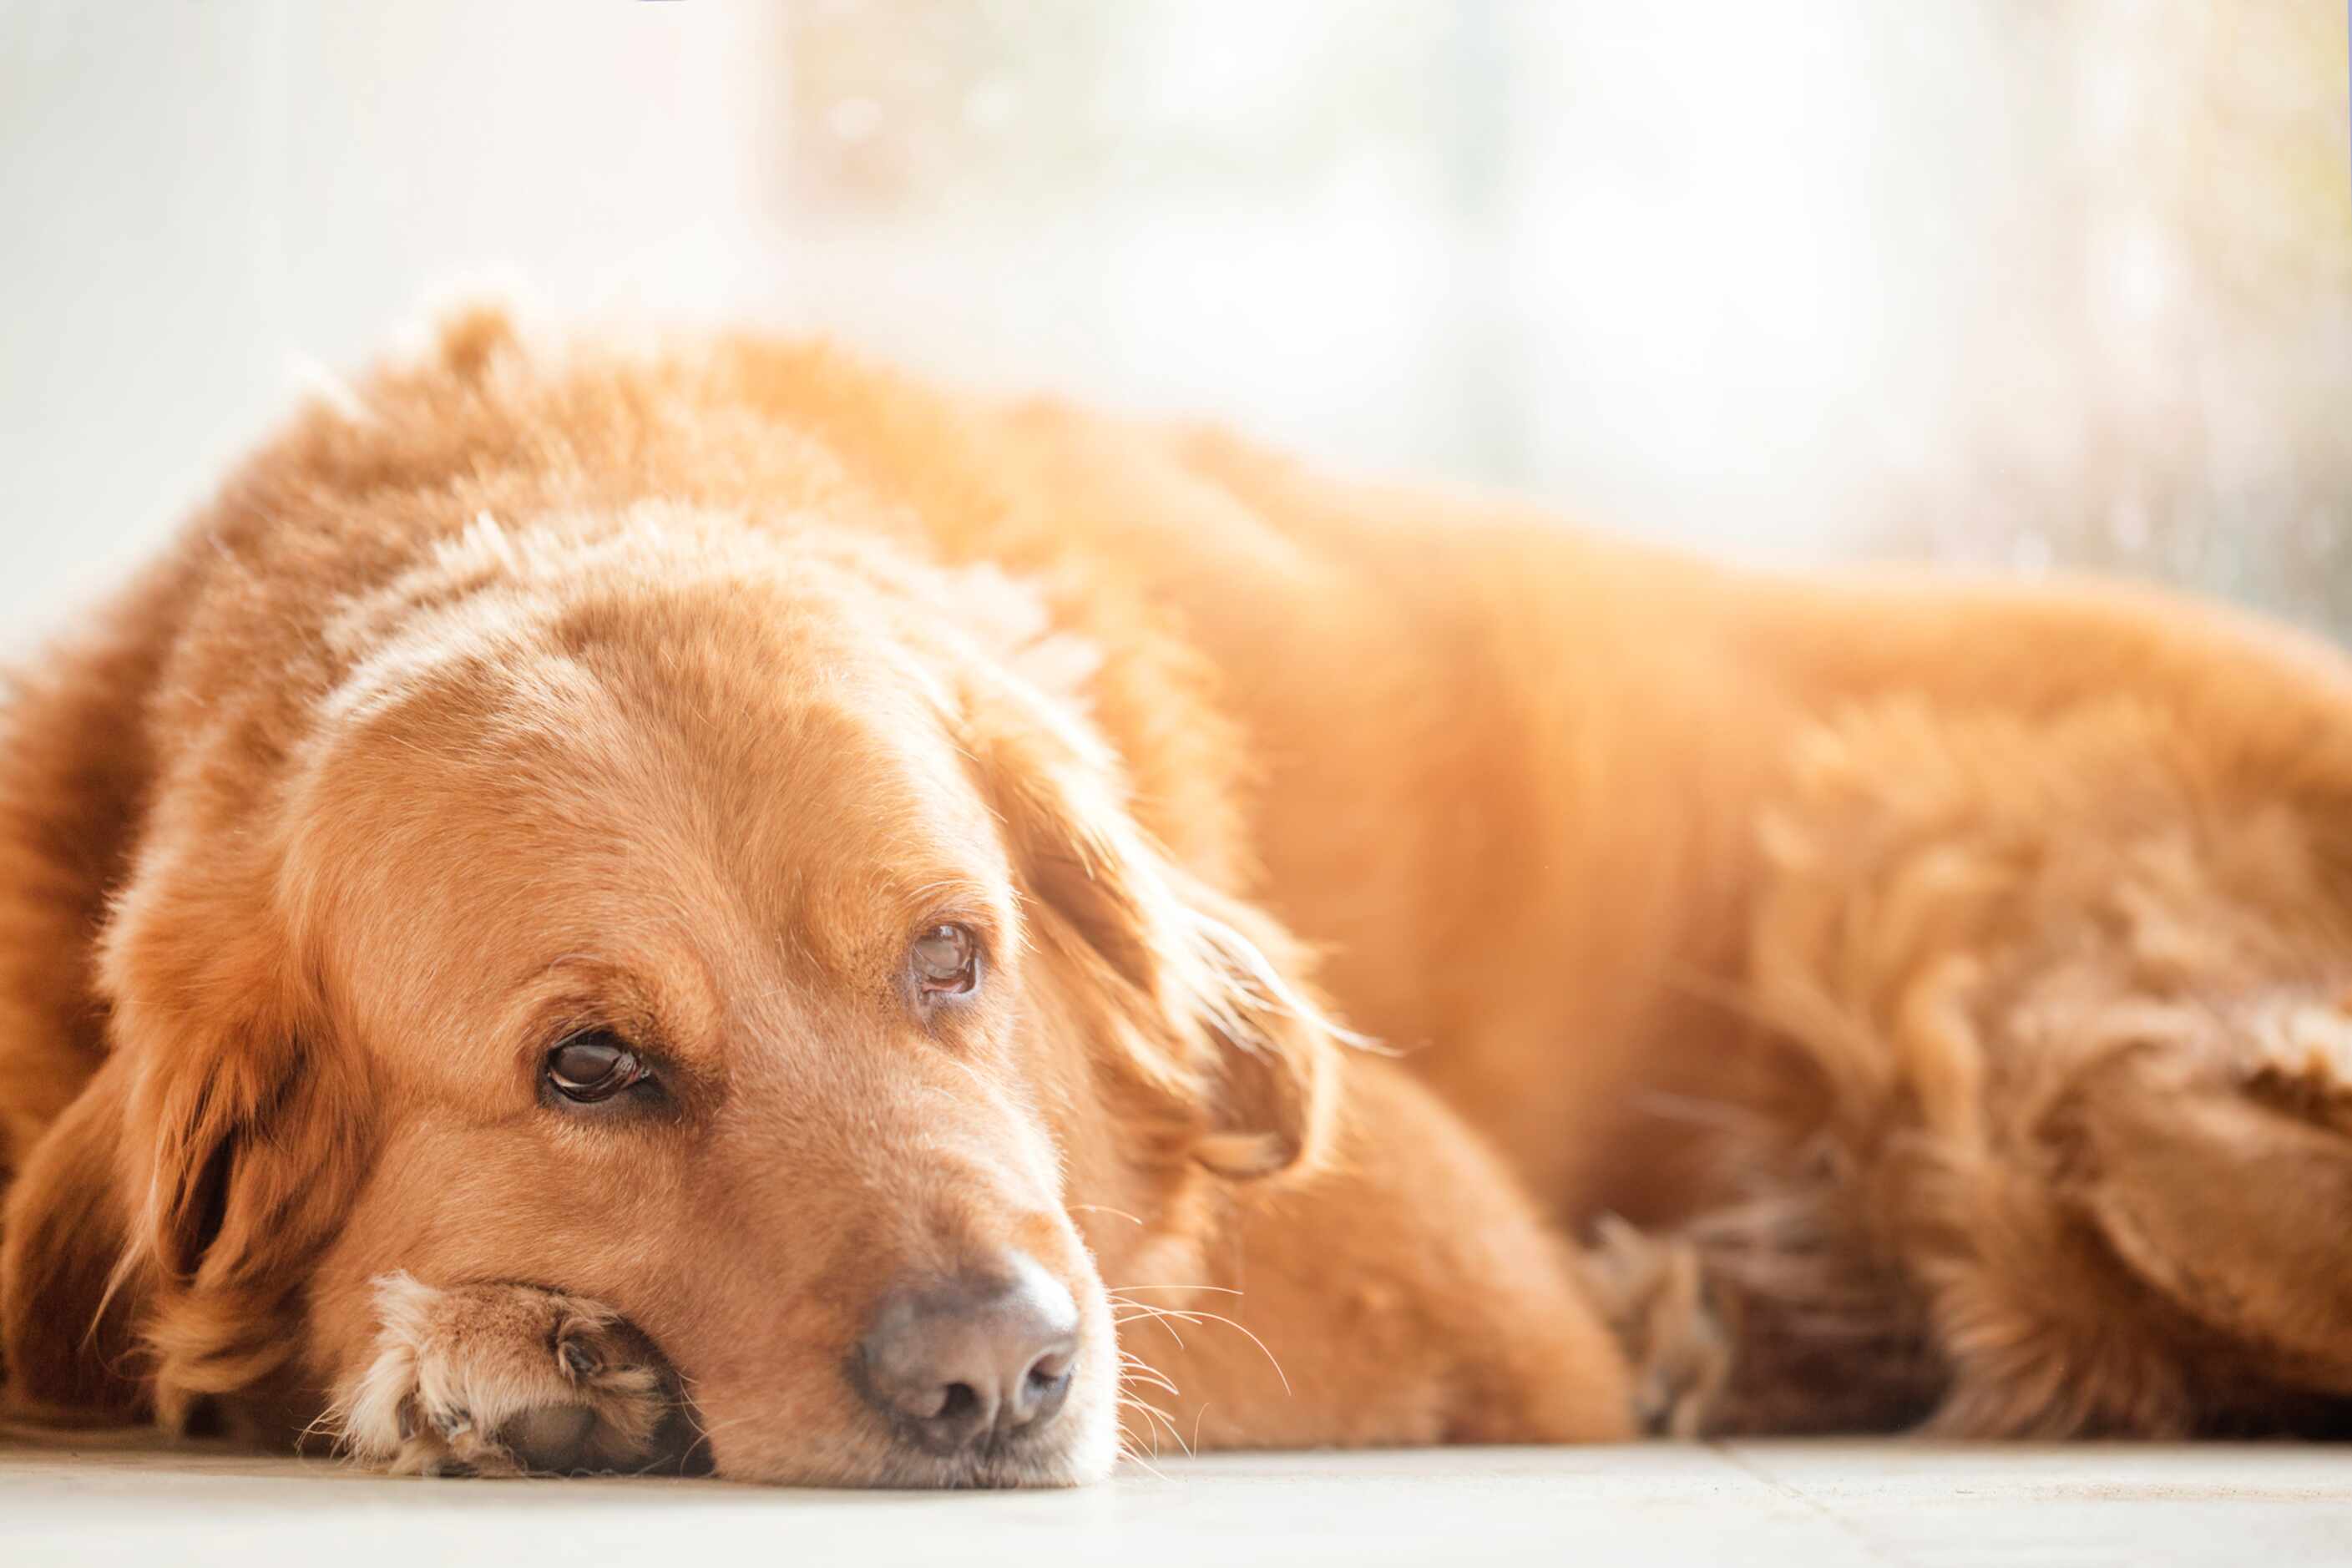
(736, 930)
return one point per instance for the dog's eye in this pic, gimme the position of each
(946, 961)
(593, 1067)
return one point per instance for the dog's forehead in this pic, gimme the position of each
(646, 773)
(776, 674)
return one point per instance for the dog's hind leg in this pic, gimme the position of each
(2071, 991)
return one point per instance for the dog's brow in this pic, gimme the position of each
(674, 987)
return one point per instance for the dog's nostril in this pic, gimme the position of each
(1043, 1391)
(959, 1403)
(1048, 1372)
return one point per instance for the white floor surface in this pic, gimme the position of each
(1824, 1505)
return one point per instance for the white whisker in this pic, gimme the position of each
(1142, 1371)
(1165, 1419)
(1157, 1314)
(1199, 1317)
(1141, 1463)
(1219, 1289)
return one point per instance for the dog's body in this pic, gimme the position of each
(1952, 972)
(1960, 970)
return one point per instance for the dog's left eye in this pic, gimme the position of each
(946, 961)
(593, 1067)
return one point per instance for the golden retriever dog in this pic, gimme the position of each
(599, 913)
(717, 906)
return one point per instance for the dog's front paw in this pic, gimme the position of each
(504, 1380)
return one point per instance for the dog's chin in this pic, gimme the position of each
(1054, 1465)
(1070, 1462)
(1079, 1451)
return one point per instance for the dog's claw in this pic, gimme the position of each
(2303, 1062)
(1653, 1292)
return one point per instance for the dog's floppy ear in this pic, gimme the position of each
(65, 1333)
(239, 1143)
(1200, 996)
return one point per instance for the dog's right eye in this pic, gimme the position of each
(591, 1066)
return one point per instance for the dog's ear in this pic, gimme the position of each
(1202, 998)
(240, 1145)
(65, 1330)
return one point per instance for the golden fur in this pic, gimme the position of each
(1947, 975)
(1959, 969)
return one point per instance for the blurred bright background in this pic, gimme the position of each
(2029, 283)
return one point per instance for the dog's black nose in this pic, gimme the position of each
(982, 1355)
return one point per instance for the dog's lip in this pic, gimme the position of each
(1017, 1463)
(1013, 1470)
(1036, 1464)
